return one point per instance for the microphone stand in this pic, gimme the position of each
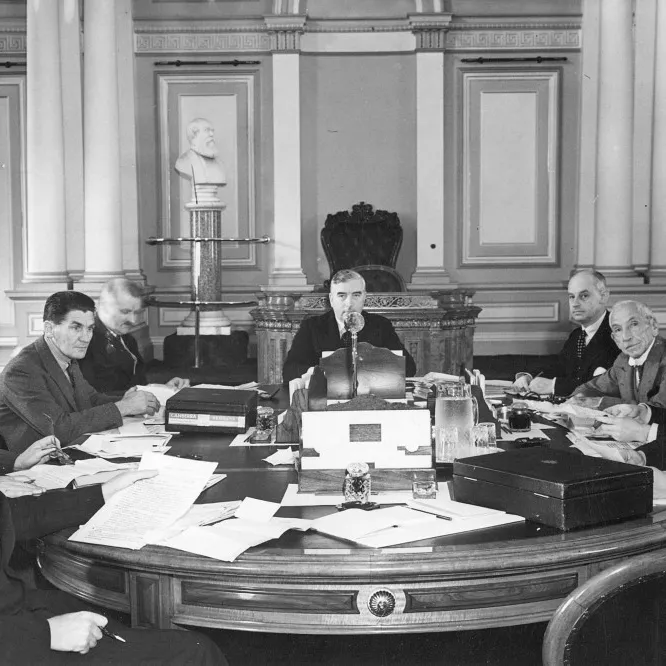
(354, 351)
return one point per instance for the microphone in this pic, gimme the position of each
(353, 321)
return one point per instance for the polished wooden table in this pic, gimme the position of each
(310, 583)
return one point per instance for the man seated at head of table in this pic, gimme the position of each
(327, 332)
(113, 363)
(590, 349)
(46, 626)
(42, 390)
(639, 372)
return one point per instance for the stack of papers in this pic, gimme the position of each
(124, 446)
(253, 524)
(496, 388)
(151, 504)
(52, 477)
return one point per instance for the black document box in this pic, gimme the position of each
(211, 410)
(560, 488)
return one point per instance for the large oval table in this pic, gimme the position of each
(310, 583)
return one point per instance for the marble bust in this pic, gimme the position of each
(201, 163)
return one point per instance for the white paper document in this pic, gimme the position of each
(147, 505)
(52, 477)
(197, 516)
(282, 457)
(256, 510)
(404, 525)
(226, 540)
(124, 446)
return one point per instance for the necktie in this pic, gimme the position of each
(580, 344)
(638, 371)
(76, 378)
(346, 340)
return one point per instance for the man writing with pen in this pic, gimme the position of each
(42, 389)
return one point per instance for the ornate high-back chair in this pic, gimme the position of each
(367, 241)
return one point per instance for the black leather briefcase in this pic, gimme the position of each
(560, 488)
(211, 410)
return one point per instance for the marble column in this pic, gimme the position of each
(430, 33)
(613, 234)
(286, 271)
(103, 229)
(46, 246)
(658, 221)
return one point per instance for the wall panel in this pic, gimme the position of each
(510, 166)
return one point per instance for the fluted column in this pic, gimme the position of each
(46, 249)
(103, 230)
(658, 222)
(613, 234)
(286, 271)
(430, 33)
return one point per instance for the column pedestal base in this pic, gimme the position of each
(215, 350)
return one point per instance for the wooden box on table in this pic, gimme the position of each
(560, 488)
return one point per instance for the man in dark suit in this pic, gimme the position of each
(589, 350)
(639, 372)
(47, 626)
(327, 332)
(42, 390)
(113, 363)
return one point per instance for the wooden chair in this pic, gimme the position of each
(367, 241)
(615, 618)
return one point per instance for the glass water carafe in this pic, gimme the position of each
(456, 407)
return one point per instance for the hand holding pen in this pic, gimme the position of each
(62, 457)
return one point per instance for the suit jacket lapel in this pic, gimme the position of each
(55, 372)
(650, 369)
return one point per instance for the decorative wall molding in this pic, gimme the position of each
(13, 39)
(12, 44)
(518, 337)
(35, 324)
(501, 313)
(513, 39)
(286, 33)
(193, 42)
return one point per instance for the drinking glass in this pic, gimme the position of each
(479, 439)
(424, 484)
(446, 443)
(492, 433)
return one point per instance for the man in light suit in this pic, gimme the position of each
(326, 332)
(639, 372)
(589, 350)
(42, 390)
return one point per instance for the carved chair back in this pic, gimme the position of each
(367, 241)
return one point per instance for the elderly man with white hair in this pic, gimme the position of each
(638, 375)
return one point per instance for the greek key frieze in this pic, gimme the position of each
(13, 43)
(201, 42)
(513, 39)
